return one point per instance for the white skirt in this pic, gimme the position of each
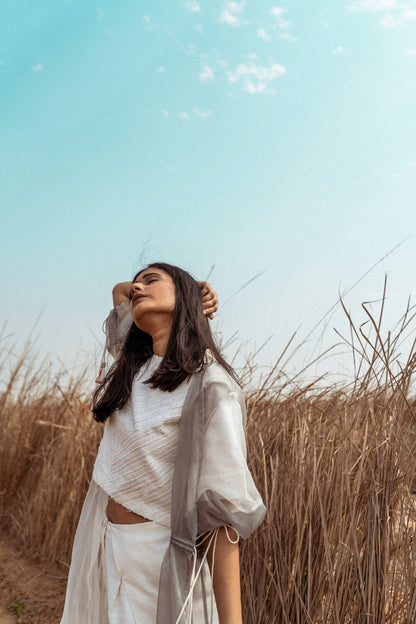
(115, 569)
(133, 556)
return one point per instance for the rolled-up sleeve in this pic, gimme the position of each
(117, 326)
(224, 470)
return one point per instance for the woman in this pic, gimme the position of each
(171, 492)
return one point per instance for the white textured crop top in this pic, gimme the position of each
(136, 457)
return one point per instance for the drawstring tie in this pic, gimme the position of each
(212, 537)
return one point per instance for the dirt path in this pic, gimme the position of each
(36, 588)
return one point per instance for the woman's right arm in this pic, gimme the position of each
(121, 293)
(226, 581)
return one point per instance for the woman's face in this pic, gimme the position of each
(152, 300)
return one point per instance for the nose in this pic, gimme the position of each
(136, 287)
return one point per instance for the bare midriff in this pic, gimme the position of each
(117, 514)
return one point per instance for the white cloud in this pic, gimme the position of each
(197, 112)
(227, 18)
(100, 13)
(395, 21)
(203, 114)
(375, 5)
(252, 88)
(396, 13)
(199, 28)
(409, 15)
(160, 70)
(256, 78)
(390, 21)
(412, 52)
(231, 13)
(339, 51)
(253, 75)
(263, 34)
(277, 11)
(412, 164)
(193, 6)
(207, 73)
(38, 67)
(149, 24)
(288, 36)
(220, 62)
(190, 48)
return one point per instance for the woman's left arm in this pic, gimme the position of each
(226, 578)
(226, 491)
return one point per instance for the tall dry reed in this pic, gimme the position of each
(335, 467)
(48, 445)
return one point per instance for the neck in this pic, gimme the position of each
(160, 338)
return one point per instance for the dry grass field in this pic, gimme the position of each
(335, 466)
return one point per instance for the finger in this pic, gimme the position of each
(204, 287)
(211, 310)
(209, 297)
(211, 305)
(209, 314)
(209, 294)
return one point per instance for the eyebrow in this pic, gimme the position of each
(144, 275)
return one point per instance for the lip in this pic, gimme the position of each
(137, 298)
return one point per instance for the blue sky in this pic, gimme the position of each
(257, 137)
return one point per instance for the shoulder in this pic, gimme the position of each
(217, 384)
(214, 373)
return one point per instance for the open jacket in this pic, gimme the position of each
(200, 504)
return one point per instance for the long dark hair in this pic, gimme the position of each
(189, 339)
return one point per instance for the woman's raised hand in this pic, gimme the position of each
(209, 299)
(121, 293)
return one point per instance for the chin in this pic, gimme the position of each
(140, 325)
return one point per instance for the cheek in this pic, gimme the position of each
(172, 302)
(170, 298)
